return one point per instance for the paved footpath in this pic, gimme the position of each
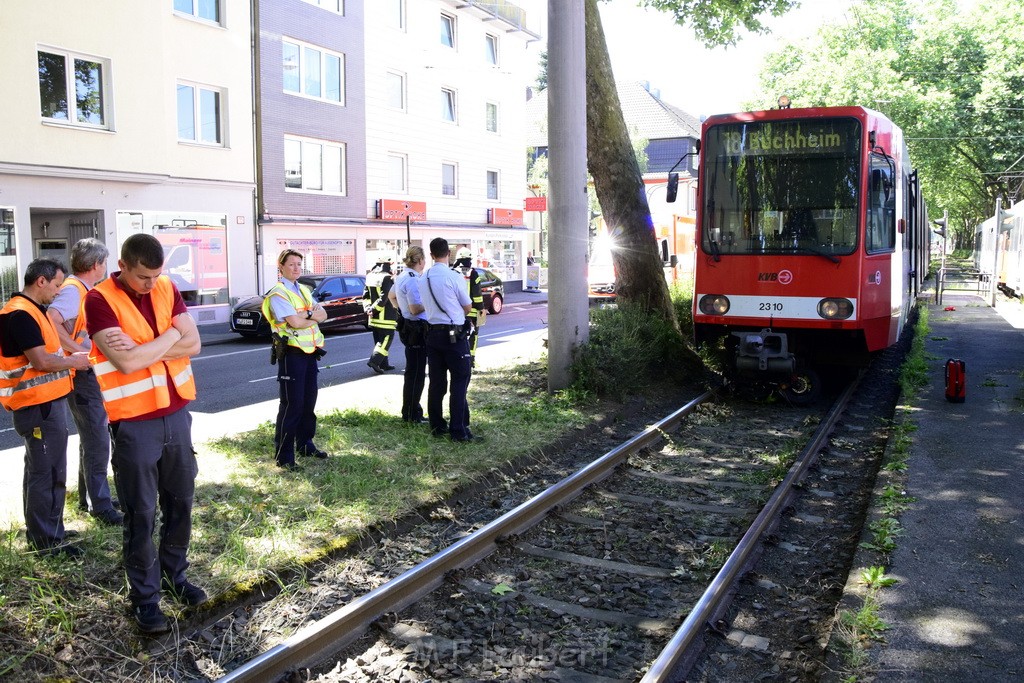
(958, 612)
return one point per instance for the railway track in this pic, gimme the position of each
(589, 578)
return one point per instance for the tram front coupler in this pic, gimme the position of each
(764, 352)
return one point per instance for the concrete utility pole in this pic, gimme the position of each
(568, 310)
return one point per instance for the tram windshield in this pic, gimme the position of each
(775, 187)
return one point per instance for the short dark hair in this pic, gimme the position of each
(45, 268)
(142, 248)
(439, 247)
(86, 254)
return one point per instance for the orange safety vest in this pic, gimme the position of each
(21, 384)
(143, 391)
(80, 318)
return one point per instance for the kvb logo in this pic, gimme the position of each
(783, 277)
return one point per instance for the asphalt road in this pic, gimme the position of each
(238, 373)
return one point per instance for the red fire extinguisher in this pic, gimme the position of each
(956, 380)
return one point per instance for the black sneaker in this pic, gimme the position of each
(290, 466)
(150, 619)
(313, 452)
(110, 517)
(185, 592)
(68, 550)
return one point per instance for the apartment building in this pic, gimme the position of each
(389, 123)
(131, 117)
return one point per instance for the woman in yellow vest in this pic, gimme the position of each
(35, 376)
(294, 321)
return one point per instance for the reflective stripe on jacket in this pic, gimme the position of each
(382, 313)
(21, 384)
(79, 327)
(130, 395)
(308, 338)
(476, 295)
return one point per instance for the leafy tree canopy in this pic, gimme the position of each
(951, 78)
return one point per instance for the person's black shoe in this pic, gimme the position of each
(109, 517)
(186, 593)
(290, 466)
(150, 619)
(115, 503)
(415, 420)
(376, 368)
(71, 533)
(439, 433)
(469, 438)
(66, 550)
(387, 367)
(313, 452)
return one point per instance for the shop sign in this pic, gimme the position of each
(399, 210)
(535, 203)
(498, 216)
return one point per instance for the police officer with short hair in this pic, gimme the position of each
(35, 376)
(294, 321)
(381, 312)
(446, 302)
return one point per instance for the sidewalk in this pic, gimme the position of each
(957, 613)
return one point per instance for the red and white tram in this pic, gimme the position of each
(812, 241)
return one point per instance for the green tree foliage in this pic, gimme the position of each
(951, 79)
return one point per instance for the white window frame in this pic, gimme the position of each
(194, 12)
(335, 6)
(197, 114)
(449, 105)
(449, 21)
(398, 16)
(304, 65)
(487, 117)
(496, 185)
(306, 144)
(403, 160)
(495, 58)
(389, 84)
(106, 90)
(455, 179)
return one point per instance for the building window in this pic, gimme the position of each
(396, 14)
(396, 173)
(9, 281)
(61, 73)
(199, 114)
(200, 9)
(312, 72)
(314, 165)
(448, 30)
(492, 184)
(448, 180)
(491, 49)
(492, 117)
(337, 6)
(448, 105)
(395, 84)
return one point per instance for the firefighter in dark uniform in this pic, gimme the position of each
(383, 316)
(476, 316)
(35, 376)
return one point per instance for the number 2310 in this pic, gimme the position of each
(769, 306)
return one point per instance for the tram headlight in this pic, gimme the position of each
(713, 304)
(835, 309)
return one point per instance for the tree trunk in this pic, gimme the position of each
(639, 278)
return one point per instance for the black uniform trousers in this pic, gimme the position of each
(44, 427)
(414, 339)
(154, 464)
(86, 404)
(446, 358)
(297, 377)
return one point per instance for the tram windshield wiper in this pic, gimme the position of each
(817, 252)
(715, 253)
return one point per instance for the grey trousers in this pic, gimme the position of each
(154, 464)
(45, 430)
(86, 404)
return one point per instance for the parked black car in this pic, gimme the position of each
(492, 289)
(341, 296)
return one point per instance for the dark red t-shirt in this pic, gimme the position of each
(100, 316)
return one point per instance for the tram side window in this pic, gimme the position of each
(881, 228)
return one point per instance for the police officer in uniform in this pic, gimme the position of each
(477, 315)
(142, 339)
(383, 316)
(89, 264)
(413, 333)
(294, 321)
(446, 303)
(35, 376)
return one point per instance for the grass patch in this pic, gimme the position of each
(914, 372)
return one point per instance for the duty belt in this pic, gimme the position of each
(443, 328)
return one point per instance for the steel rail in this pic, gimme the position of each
(346, 624)
(669, 664)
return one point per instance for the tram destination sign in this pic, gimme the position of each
(784, 138)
